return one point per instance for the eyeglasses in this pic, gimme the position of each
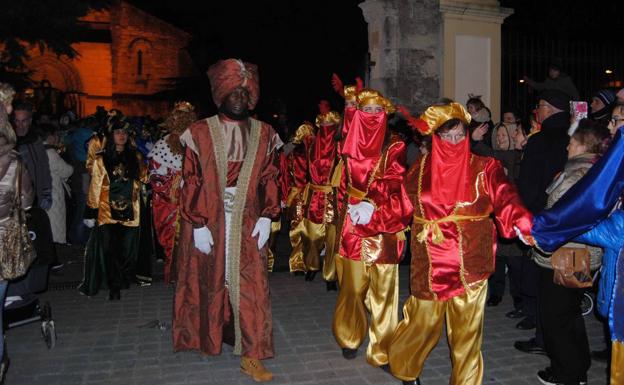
(453, 138)
(615, 120)
(541, 105)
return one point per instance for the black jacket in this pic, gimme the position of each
(35, 158)
(544, 157)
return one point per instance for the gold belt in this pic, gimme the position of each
(355, 193)
(321, 188)
(433, 226)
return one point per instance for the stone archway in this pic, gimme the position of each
(59, 72)
(63, 76)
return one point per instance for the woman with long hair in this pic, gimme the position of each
(113, 210)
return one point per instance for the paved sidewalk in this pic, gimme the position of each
(102, 342)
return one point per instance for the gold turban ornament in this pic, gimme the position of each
(368, 96)
(305, 130)
(436, 116)
(330, 118)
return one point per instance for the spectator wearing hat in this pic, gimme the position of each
(556, 80)
(544, 157)
(601, 105)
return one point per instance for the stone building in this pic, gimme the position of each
(124, 60)
(422, 50)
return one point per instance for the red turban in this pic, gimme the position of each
(227, 75)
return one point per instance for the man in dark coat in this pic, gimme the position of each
(544, 157)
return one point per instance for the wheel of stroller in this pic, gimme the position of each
(49, 333)
(587, 303)
(46, 312)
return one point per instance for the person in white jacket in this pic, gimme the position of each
(60, 171)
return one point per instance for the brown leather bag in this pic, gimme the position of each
(571, 267)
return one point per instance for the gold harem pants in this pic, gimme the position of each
(421, 328)
(316, 237)
(373, 289)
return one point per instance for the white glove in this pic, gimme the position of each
(522, 238)
(90, 223)
(361, 213)
(263, 230)
(203, 239)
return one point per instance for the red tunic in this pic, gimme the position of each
(466, 255)
(381, 179)
(165, 196)
(323, 160)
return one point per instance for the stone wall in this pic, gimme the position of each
(405, 48)
(161, 48)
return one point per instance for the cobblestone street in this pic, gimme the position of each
(102, 342)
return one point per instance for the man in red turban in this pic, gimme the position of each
(228, 198)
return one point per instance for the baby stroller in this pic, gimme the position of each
(22, 305)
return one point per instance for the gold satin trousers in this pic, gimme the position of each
(373, 289)
(316, 237)
(617, 363)
(421, 328)
(295, 262)
(276, 226)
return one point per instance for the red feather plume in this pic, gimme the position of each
(337, 84)
(416, 123)
(359, 84)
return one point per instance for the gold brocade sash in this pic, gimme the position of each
(337, 174)
(432, 226)
(353, 192)
(321, 188)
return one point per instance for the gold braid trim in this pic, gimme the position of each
(422, 212)
(236, 226)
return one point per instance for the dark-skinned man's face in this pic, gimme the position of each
(237, 103)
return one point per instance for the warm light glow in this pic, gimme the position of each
(521, 80)
(608, 72)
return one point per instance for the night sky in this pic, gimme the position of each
(299, 44)
(296, 44)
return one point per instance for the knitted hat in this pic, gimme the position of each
(607, 97)
(556, 98)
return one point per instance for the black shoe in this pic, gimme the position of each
(298, 273)
(349, 354)
(385, 368)
(515, 313)
(114, 295)
(526, 324)
(309, 276)
(332, 285)
(417, 382)
(494, 300)
(546, 377)
(529, 347)
(601, 355)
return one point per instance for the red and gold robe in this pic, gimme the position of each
(203, 305)
(165, 178)
(298, 164)
(379, 181)
(465, 256)
(320, 203)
